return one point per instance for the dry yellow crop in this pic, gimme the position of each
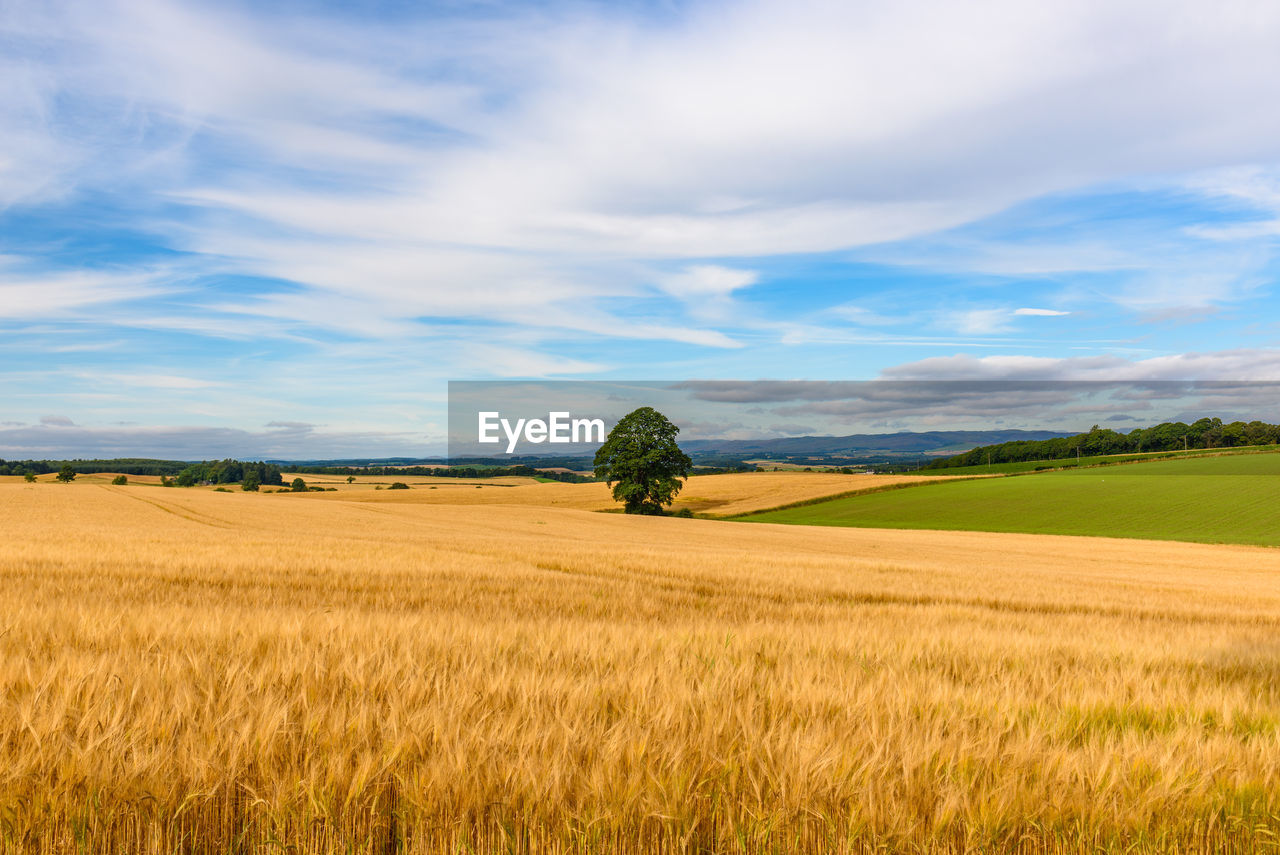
(719, 495)
(190, 671)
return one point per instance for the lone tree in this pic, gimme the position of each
(68, 474)
(641, 461)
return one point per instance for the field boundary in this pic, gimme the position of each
(849, 494)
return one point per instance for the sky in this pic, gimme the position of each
(280, 229)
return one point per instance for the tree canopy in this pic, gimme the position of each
(229, 472)
(641, 461)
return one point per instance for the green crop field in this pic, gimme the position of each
(1224, 499)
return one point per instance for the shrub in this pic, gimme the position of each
(120, 480)
(398, 485)
(30, 476)
(298, 486)
(683, 512)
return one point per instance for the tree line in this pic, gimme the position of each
(182, 473)
(124, 465)
(446, 472)
(230, 472)
(1204, 433)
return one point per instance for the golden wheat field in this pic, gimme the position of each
(714, 495)
(200, 672)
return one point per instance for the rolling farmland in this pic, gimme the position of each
(191, 671)
(718, 495)
(1223, 499)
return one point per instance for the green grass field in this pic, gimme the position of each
(1225, 499)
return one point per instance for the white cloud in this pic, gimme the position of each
(702, 281)
(564, 145)
(981, 321)
(28, 294)
(863, 316)
(707, 291)
(1039, 313)
(171, 382)
(1255, 187)
(505, 361)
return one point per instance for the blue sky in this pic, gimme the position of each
(225, 230)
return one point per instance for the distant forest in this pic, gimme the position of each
(187, 474)
(235, 471)
(442, 472)
(123, 465)
(1169, 436)
(229, 472)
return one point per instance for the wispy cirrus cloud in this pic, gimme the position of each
(152, 381)
(42, 294)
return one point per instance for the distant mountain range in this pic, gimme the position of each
(863, 444)
(859, 446)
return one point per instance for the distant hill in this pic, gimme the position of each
(863, 444)
(862, 447)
